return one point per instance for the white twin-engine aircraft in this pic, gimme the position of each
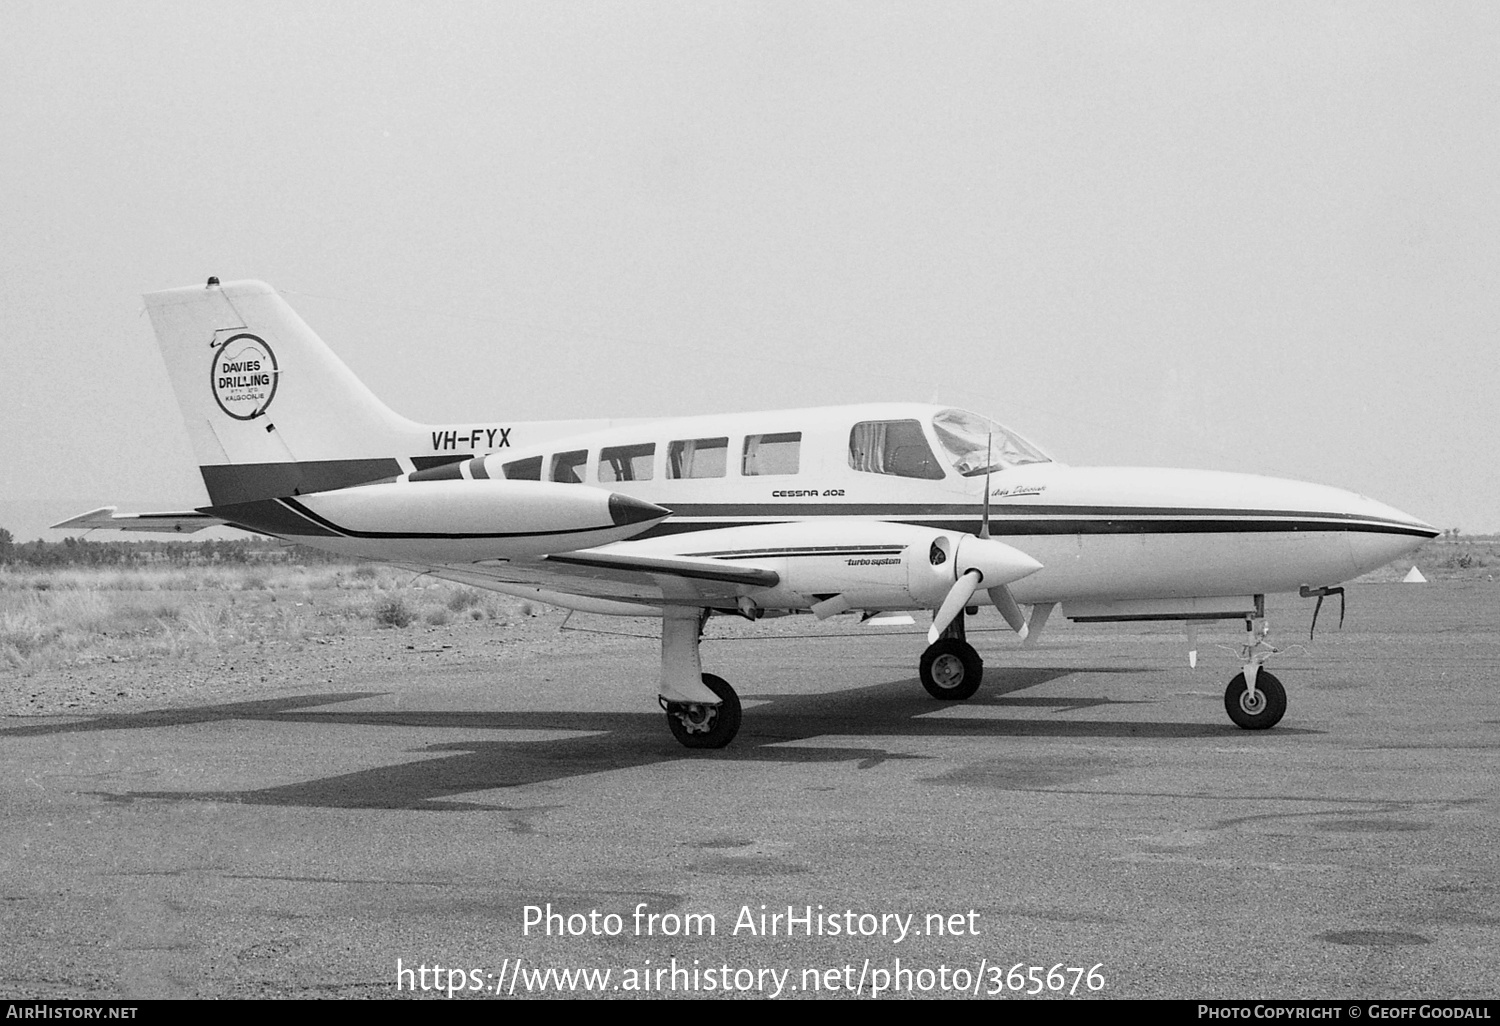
(875, 508)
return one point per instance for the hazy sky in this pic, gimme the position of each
(1243, 236)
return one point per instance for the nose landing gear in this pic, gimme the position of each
(1255, 699)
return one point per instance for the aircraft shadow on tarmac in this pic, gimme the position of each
(616, 740)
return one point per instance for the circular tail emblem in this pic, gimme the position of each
(244, 376)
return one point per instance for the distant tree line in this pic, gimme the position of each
(82, 552)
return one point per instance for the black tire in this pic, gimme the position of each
(1268, 709)
(951, 670)
(707, 726)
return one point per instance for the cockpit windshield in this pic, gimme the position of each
(976, 443)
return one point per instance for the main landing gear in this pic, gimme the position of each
(702, 710)
(701, 725)
(950, 668)
(1255, 699)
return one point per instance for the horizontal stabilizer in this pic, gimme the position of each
(168, 523)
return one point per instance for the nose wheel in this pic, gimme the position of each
(951, 670)
(1260, 709)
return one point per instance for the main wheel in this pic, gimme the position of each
(951, 669)
(697, 725)
(1262, 712)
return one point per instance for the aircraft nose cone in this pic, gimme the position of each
(1389, 535)
(624, 510)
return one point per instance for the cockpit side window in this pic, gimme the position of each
(895, 447)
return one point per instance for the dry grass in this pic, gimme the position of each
(1445, 559)
(80, 616)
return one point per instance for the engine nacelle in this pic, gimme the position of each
(832, 565)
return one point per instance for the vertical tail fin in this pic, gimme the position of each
(270, 410)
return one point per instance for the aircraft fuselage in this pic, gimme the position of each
(1100, 533)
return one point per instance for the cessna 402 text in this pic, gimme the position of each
(872, 508)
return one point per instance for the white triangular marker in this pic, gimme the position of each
(1415, 577)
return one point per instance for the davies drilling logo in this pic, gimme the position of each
(244, 376)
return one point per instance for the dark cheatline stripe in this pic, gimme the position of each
(642, 565)
(803, 550)
(477, 470)
(1014, 518)
(1031, 528)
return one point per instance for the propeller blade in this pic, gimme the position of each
(1009, 609)
(953, 604)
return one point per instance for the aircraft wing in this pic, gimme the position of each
(593, 579)
(105, 517)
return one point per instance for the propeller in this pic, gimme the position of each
(983, 562)
(984, 559)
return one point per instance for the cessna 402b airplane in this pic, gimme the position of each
(872, 508)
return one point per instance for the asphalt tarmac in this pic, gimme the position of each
(1091, 810)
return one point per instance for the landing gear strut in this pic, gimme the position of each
(702, 710)
(1255, 699)
(950, 668)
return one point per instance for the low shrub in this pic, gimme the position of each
(463, 599)
(393, 612)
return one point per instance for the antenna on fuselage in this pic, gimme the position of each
(989, 468)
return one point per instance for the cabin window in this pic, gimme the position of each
(627, 462)
(895, 447)
(698, 457)
(772, 454)
(529, 469)
(567, 467)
